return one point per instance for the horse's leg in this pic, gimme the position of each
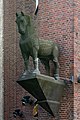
(56, 71)
(56, 63)
(26, 63)
(35, 61)
(47, 67)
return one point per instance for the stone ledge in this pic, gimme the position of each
(45, 89)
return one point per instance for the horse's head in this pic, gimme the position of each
(22, 21)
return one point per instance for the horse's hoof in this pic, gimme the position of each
(56, 76)
(26, 72)
(36, 71)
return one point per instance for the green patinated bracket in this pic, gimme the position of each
(45, 89)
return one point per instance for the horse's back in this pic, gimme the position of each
(45, 48)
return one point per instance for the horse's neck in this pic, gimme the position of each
(30, 31)
(24, 36)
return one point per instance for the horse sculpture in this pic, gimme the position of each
(31, 45)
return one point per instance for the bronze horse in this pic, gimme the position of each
(31, 45)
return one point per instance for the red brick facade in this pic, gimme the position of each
(55, 21)
(76, 59)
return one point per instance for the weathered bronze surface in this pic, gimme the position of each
(30, 45)
(45, 89)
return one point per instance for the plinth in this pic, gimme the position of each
(45, 89)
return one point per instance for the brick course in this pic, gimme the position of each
(55, 21)
(1, 62)
(76, 59)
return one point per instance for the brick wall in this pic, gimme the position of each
(1, 62)
(54, 22)
(76, 59)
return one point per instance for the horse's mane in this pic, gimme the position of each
(30, 21)
(31, 25)
(28, 18)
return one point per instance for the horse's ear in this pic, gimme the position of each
(16, 14)
(22, 13)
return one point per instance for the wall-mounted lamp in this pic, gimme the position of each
(27, 99)
(78, 79)
(17, 112)
(71, 78)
